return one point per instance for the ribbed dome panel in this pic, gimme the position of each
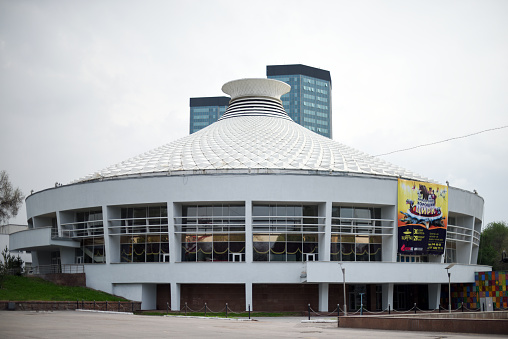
(255, 106)
(254, 135)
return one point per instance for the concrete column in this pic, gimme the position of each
(248, 296)
(389, 246)
(175, 296)
(107, 243)
(174, 211)
(323, 297)
(325, 210)
(387, 296)
(114, 252)
(248, 234)
(434, 296)
(148, 297)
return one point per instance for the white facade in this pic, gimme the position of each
(253, 160)
(5, 232)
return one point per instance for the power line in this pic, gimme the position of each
(439, 142)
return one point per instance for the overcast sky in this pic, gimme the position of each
(87, 84)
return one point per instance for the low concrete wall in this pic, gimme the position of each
(66, 279)
(482, 322)
(115, 306)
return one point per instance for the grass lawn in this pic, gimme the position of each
(17, 288)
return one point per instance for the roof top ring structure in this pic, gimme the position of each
(256, 88)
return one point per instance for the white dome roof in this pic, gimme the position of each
(255, 135)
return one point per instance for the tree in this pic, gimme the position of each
(10, 265)
(493, 241)
(11, 198)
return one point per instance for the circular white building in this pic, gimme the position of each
(253, 210)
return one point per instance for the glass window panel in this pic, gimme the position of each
(140, 212)
(125, 239)
(290, 211)
(348, 252)
(125, 253)
(294, 238)
(189, 238)
(220, 251)
(277, 237)
(277, 251)
(335, 212)
(152, 252)
(205, 250)
(205, 238)
(138, 239)
(261, 251)
(236, 210)
(153, 238)
(294, 251)
(237, 247)
(310, 211)
(202, 211)
(217, 211)
(346, 212)
(376, 240)
(310, 247)
(237, 237)
(138, 254)
(220, 238)
(189, 252)
(261, 238)
(310, 238)
(260, 210)
(348, 238)
(154, 211)
(280, 210)
(362, 252)
(190, 211)
(164, 248)
(362, 239)
(335, 238)
(375, 252)
(335, 252)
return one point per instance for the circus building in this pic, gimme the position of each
(257, 211)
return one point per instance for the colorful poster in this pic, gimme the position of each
(422, 217)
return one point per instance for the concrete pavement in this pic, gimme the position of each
(67, 324)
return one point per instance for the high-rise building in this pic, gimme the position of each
(205, 111)
(310, 101)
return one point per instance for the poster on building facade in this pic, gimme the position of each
(422, 217)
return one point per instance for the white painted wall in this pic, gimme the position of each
(138, 281)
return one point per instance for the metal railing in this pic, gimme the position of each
(62, 268)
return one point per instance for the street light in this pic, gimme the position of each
(361, 303)
(344, 286)
(449, 287)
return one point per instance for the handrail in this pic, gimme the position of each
(62, 268)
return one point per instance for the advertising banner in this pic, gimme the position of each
(422, 217)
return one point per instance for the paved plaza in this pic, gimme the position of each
(67, 324)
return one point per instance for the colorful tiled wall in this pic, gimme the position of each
(487, 284)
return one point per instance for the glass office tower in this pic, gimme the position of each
(205, 111)
(310, 101)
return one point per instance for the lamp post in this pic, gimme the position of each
(449, 287)
(361, 303)
(344, 286)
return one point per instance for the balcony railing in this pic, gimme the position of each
(62, 268)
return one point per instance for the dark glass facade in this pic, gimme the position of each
(206, 111)
(309, 102)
